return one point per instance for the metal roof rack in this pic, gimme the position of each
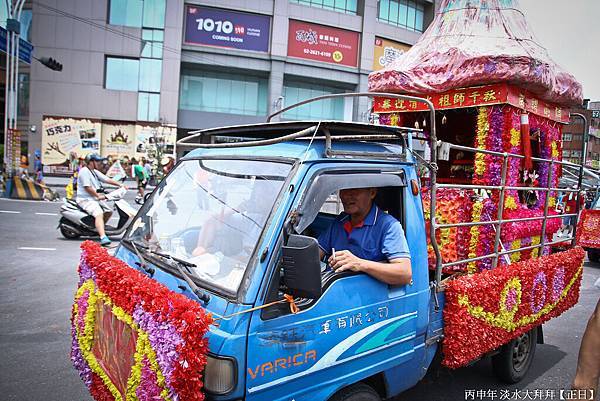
(271, 133)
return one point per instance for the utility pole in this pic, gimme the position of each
(13, 28)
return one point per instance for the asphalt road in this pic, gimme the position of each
(36, 292)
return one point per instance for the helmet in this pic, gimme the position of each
(93, 157)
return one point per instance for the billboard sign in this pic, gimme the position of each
(146, 137)
(62, 136)
(323, 43)
(386, 51)
(118, 139)
(223, 28)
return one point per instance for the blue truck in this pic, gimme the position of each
(234, 227)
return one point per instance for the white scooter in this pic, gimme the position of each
(76, 222)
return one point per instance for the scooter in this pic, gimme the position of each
(76, 222)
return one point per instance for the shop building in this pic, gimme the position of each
(573, 136)
(133, 66)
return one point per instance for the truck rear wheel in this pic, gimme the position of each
(513, 361)
(356, 392)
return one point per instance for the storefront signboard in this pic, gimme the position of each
(223, 28)
(323, 43)
(386, 51)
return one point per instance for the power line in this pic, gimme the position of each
(127, 35)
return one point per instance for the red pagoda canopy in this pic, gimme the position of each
(478, 42)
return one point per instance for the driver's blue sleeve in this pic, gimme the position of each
(394, 242)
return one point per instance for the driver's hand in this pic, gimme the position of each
(345, 260)
(101, 197)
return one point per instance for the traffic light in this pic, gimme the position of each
(51, 63)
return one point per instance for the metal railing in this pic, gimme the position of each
(502, 188)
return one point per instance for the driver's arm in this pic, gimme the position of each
(396, 272)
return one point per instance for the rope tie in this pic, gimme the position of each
(286, 298)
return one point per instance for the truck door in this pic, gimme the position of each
(359, 326)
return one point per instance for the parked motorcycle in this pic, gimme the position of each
(76, 222)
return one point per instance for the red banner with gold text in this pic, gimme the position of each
(473, 97)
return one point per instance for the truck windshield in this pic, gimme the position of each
(211, 213)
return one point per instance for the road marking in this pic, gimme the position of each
(46, 214)
(39, 202)
(9, 211)
(28, 248)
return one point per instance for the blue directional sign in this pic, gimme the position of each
(25, 48)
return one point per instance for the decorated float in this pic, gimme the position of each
(497, 91)
(500, 103)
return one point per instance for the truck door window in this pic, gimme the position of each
(322, 205)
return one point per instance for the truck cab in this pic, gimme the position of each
(242, 222)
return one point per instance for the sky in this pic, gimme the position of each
(570, 30)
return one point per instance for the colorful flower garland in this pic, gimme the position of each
(453, 207)
(481, 136)
(486, 310)
(166, 353)
(498, 129)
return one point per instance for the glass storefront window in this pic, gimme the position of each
(223, 93)
(150, 74)
(148, 106)
(126, 12)
(122, 74)
(343, 6)
(329, 109)
(403, 13)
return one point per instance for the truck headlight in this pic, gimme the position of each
(219, 374)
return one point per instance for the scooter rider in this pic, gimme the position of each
(90, 196)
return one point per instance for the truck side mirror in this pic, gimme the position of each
(301, 267)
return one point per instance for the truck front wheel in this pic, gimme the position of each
(356, 392)
(513, 361)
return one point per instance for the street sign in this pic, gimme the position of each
(25, 48)
(595, 113)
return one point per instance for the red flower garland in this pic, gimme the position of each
(588, 229)
(128, 288)
(486, 310)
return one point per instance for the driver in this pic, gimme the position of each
(366, 239)
(94, 203)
